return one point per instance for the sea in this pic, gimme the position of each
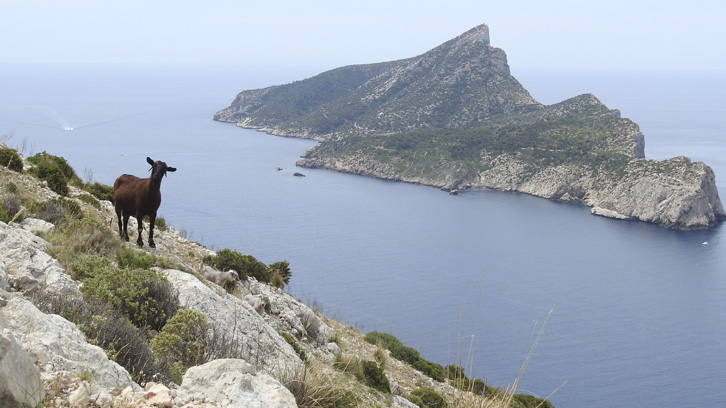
(604, 313)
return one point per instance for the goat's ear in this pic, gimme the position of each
(171, 169)
(148, 160)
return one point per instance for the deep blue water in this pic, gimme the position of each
(639, 311)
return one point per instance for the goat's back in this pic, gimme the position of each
(126, 188)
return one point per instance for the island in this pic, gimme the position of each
(455, 118)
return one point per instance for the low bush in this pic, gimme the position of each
(245, 265)
(84, 267)
(145, 297)
(89, 199)
(11, 159)
(131, 258)
(280, 274)
(181, 343)
(55, 171)
(100, 191)
(374, 377)
(530, 401)
(427, 398)
(406, 354)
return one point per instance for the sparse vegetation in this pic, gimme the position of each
(406, 354)
(11, 159)
(181, 343)
(83, 237)
(55, 171)
(427, 398)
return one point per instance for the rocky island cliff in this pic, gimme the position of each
(455, 118)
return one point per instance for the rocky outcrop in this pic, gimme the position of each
(674, 193)
(56, 344)
(26, 267)
(233, 383)
(235, 321)
(19, 378)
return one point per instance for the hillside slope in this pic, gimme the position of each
(261, 347)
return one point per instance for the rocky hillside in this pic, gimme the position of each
(252, 343)
(455, 118)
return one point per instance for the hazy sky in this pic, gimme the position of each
(552, 33)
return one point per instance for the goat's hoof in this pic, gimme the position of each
(152, 245)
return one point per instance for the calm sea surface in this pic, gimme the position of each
(639, 311)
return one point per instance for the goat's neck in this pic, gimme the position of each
(153, 184)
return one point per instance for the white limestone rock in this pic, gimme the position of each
(27, 268)
(234, 319)
(233, 383)
(57, 345)
(19, 379)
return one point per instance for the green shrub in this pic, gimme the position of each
(459, 380)
(280, 274)
(89, 199)
(160, 224)
(143, 296)
(433, 370)
(245, 265)
(529, 401)
(131, 258)
(180, 344)
(55, 171)
(11, 159)
(100, 191)
(11, 188)
(406, 354)
(85, 267)
(427, 398)
(374, 377)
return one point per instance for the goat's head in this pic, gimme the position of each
(158, 169)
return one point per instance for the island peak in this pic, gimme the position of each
(455, 118)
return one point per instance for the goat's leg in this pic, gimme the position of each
(120, 224)
(125, 233)
(140, 219)
(152, 221)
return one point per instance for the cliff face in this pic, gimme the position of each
(455, 118)
(686, 198)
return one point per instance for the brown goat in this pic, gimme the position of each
(139, 197)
